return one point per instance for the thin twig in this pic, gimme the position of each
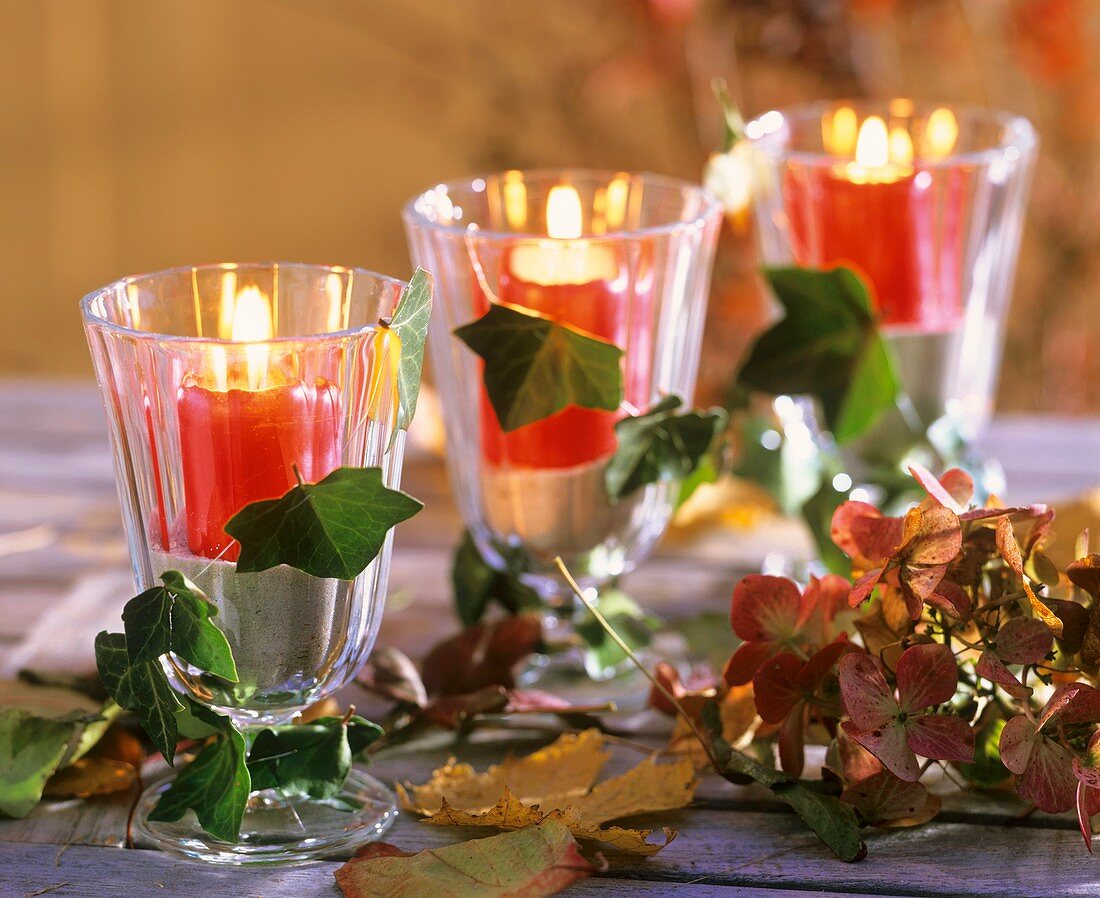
(629, 652)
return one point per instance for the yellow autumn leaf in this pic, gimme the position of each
(557, 782)
(737, 711)
(511, 813)
(569, 766)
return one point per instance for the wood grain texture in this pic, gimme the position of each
(83, 872)
(64, 582)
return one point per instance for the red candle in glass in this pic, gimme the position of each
(881, 213)
(583, 285)
(240, 444)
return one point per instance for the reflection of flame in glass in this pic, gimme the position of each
(334, 290)
(901, 145)
(228, 304)
(617, 193)
(564, 219)
(515, 200)
(940, 133)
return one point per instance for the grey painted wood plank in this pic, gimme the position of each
(83, 872)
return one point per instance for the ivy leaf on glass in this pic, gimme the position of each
(311, 759)
(334, 528)
(826, 345)
(410, 324)
(660, 445)
(477, 584)
(215, 785)
(142, 688)
(535, 367)
(177, 617)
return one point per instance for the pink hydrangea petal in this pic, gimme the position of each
(824, 598)
(1048, 780)
(792, 742)
(922, 581)
(926, 676)
(944, 737)
(821, 664)
(864, 586)
(1090, 776)
(855, 761)
(869, 701)
(1072, 703)
(937, 490)
(1024, 640)
(1018, 739)
(992, 668)
(889, 745)
(951, 599)
(931, 536)
(765, 607)
(883, 797)
(864, 534)
(1084, 818)
(746, 661)
(775, 687)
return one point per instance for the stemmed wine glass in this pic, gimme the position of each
(219, 381)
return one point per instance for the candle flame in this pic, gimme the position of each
(839, 133)
(873, 144)
(941, 132)
(564, 219)
(252, 322)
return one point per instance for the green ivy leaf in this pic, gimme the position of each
(311, 759)
(477, 584)
(833, 820)
(334, 528)
(826, 345)
(177, 617)
(31, 748)
(535, 367)
(410, 323)
(660, 445)
(215, 785)
(142, 688)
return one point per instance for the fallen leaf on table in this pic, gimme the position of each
(737, 711)
(91, 776)
(557, 783)
(529, 863)
(568, 766)
(485, 655)
(43, 729)
(511, 813)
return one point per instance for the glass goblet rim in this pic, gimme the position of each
(710, 207)
(94, 319)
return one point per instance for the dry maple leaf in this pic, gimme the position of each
(90, 776)
(556, 783)
(569, 766)
(530, 863)
(511, 813)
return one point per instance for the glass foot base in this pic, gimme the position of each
(278, 830)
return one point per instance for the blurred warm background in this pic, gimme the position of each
(141, 134)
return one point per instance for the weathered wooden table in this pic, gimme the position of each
(63, 576)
